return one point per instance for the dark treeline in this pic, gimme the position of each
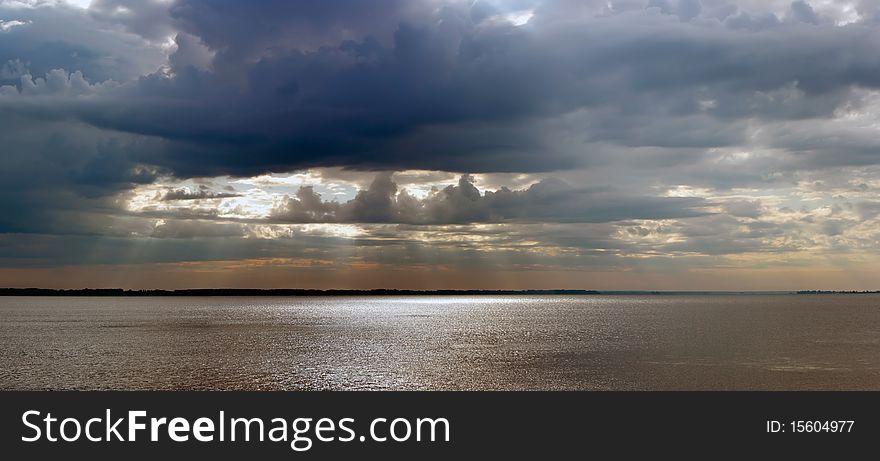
(276, 292)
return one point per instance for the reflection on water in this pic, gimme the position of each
(503, 342)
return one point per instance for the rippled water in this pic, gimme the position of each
(505, 342)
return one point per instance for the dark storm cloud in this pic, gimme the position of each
(438, 85)
(550, 200)
(58, 176)
(242, 32)
(368, 105)
(625, 100)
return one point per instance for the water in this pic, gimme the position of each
(505, 342)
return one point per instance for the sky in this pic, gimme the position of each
(434, 144)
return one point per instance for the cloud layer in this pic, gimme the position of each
(586, 134)
(549, 200)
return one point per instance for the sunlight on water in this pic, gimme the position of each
(448, 300)
(465, 342)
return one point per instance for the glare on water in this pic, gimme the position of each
(478, 342)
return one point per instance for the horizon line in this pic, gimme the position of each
(107, 292)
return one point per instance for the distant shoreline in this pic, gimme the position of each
(293, 292)
(278, 292)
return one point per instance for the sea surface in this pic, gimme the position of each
(614, 342)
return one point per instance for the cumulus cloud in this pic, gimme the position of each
(549, 200)
(203, 193)
(709, 130)
(7, 25)
(13, 70)
(61, 36)
(57, 82)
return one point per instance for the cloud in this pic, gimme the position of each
(361, 89)
(189, 229)
(743, 208)
(64, 177)
(803, 12)
(546, 201)
(343, 84)
(201, 194)
(630, 134)
(146, 18)
(868, 210)
(57, 82)
(13, 70)
(7, 25)
(61, 36)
